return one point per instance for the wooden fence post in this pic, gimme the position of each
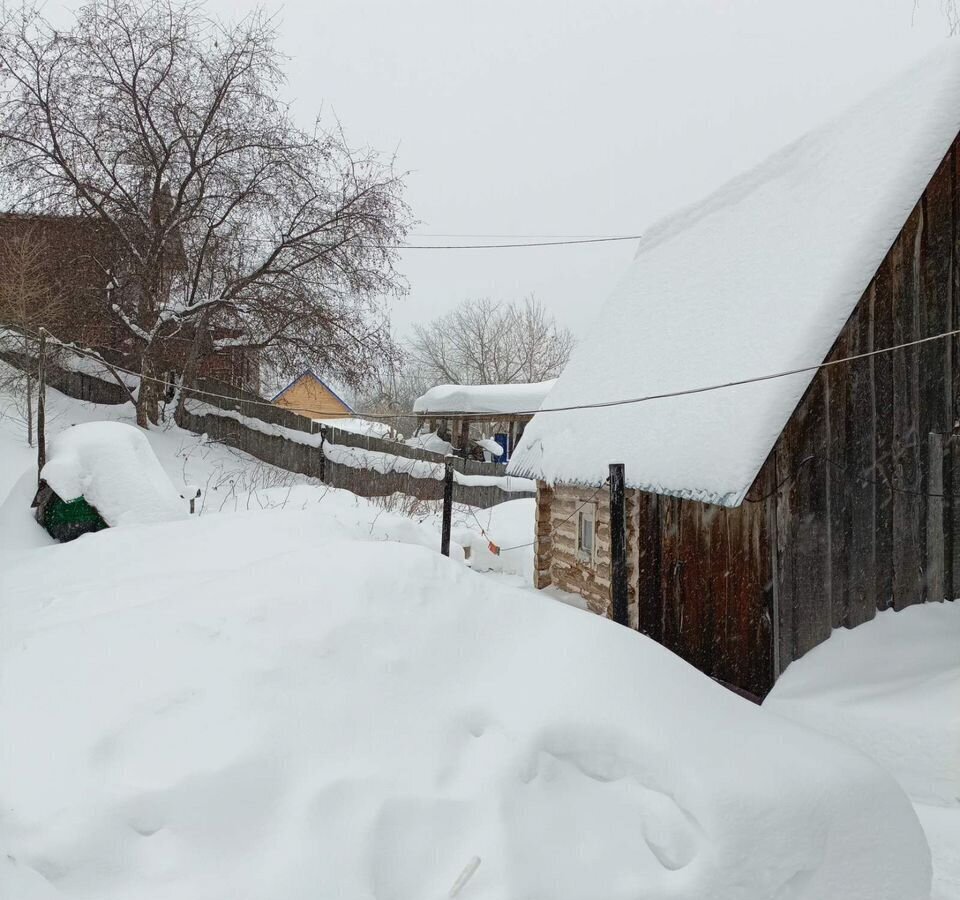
(42, 404)
(618, 545)
(447, 506)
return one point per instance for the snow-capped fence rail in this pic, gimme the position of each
(363, 464)
(63, 374)
(366, 465)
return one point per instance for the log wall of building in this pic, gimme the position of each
(556, 561)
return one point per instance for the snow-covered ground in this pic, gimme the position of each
(293, 695)
(891, 689)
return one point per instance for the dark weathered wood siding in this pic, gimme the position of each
(857, 529)
(862, 519)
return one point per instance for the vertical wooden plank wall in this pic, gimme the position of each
(856, 528)
(705, 586)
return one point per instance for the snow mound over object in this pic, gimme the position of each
(484, 398)
(283, 714)
(113, 467)
(759, 278)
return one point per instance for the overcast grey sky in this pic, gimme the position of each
(590, 117)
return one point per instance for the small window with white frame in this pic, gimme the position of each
(587, 532)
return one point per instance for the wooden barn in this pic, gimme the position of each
(762, 515)
(309, 395)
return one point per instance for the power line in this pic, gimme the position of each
(559, 525)
(513, 245)
(604, 404)
(512, 237)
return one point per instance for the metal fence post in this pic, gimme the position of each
(323, 456)
(618, 545)
(447, 506)
(42, 404)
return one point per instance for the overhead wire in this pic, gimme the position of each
(603, 404)
(559, 525)
(566, 242)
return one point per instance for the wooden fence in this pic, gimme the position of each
(378, 468)
(216, 409)
(79, 385)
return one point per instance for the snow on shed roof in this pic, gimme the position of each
(758, 278)
(484, 398)
(113, 466)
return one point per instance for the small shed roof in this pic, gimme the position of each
(758, 278)
(474, 399)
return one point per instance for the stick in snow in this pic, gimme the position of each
(465, 876)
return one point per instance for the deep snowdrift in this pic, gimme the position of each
(891, 688)
(285, 705)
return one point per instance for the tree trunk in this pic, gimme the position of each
(147, 413)
(190, 367)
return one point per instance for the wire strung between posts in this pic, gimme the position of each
(604, 404)
(555, 529)
(862, 479)
(513, 245)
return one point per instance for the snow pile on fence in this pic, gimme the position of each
(483, 398)
(275, 704)
(431, 442)
(67, 357)
(355, 457)
(758, 278)
(891, 688)
(112, 466)
(508, 483)
(360, 426)
(362, 458)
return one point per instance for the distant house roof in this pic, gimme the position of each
(309, 373)
(758, 278)
(503, 399)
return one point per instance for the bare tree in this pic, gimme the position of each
(950, 10)
(390, 393)
(482, 342)
(233, 227)
(28, 302)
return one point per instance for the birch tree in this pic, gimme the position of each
(233, 226)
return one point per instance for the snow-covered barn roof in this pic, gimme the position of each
(758, 278)
(479, 399)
